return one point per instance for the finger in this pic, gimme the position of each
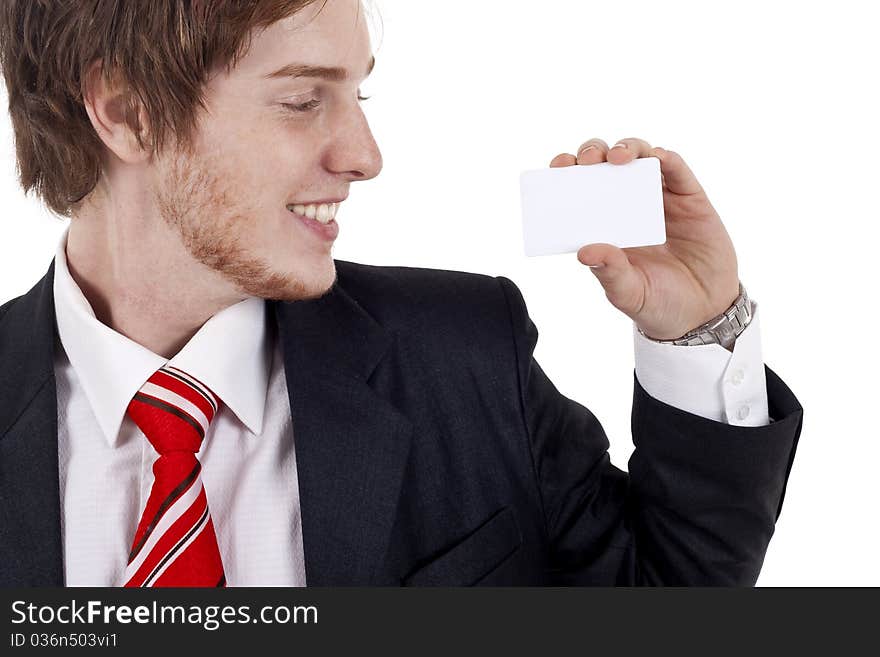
(563, 160)
(592, 151)
(677, 175)
(627, 150)
(622, 282)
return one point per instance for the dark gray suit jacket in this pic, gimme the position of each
(433, 450)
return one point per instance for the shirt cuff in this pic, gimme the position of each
(708, 380)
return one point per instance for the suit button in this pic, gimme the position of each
(743, 412)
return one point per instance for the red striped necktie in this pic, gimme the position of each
(175, 543)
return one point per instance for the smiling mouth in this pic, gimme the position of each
(323, 212)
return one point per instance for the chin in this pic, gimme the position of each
(296, 286)
(321, 287)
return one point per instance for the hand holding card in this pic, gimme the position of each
(567, 207)
(639, 218)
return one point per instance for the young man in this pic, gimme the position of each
(198, 394)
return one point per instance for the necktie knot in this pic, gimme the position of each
(174, 410)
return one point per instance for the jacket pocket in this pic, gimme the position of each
(474, 557)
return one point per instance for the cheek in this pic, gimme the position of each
(231, 138)
(266, 162)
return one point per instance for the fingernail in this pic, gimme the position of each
(588, 148)
(595, 266)
(619, 144)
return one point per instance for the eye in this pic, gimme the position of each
(305, 107)
(313, 104)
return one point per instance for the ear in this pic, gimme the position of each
(115, 114)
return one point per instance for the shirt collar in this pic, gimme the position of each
(230, 353)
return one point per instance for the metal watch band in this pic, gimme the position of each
(723, 329)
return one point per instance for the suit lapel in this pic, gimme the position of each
(351, 444)
(30, 515)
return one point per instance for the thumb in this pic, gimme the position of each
(622, 282)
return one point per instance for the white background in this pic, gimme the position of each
(774, 107)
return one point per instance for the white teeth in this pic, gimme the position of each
(324, 213)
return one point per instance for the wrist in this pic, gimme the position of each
(722, 329)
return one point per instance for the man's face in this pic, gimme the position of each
(254, 156)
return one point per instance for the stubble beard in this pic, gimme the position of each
(194, 204)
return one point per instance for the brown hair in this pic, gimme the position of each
(163, 50)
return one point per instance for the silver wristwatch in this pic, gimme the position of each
(723, 329)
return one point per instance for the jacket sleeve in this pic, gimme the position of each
(700, 501)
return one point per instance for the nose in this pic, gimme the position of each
(354, 152)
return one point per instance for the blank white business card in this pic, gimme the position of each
(566, 208)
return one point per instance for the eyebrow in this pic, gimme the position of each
(331, 73)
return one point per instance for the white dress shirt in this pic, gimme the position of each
(247, 456)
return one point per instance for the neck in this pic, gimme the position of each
(140, 280)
